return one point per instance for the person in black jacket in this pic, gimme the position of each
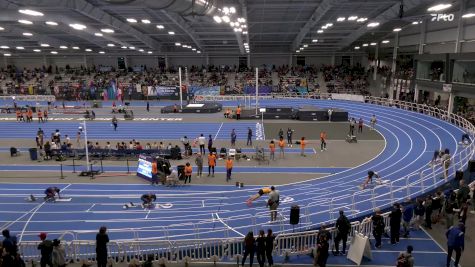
(46, 248)
(261, 248)
(323, 239)
(270, 247)
(249, 246)
(101, 247)
(378, 227)
(395, 223)
(343, 227)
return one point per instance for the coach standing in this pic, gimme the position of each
(395, 223)
(455, 241)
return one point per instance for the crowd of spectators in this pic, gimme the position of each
(343, 79)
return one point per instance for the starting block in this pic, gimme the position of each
(351, 139)
(65, 199)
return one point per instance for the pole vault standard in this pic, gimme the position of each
(257, 88)
(181, 94)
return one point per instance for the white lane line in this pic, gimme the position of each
(216, 136)
(148, 213)
(229, 227)
(29, 219)
(91, 207)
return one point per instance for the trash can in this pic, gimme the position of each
(33, 153)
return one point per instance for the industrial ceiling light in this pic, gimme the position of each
(36, 50)
(177, 44)
(340, 19)
(329, 24)
(160, 27)
(107, 30)
(76, 47)
(63, 47)
(141, 50)
(351, 18)
(1, 28)
(217, 19)
(102, 52)
(199, 52)
(7, 55)
(439, 7)
(232, 24)
(171, 33)
(226, 19)
(44, 45)
(373, 24)
(132, 47)
(146, 21)
(244, 32)
(149, 52)
(77, 26)
(320, 31)
(305, 45)
(4, 47)
(27, 34)
(397, 29)
(110, 45)
(314, 40)
(123, 47)
(132, 20)
(88, 50)
(31, 12)
(385, 41)
(51, 23)
(373, 44)
(98, 34)
(364, 45)
(468, 15)
(232, 10)
(54, 52)
(194, 49)
(297, 51)
(415, 22)
(361, 19)
(24, 21)
(20, 47)
(357, 47)
(226, 10)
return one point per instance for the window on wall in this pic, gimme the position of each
(242, 63)
(121, 63)
(301, 61)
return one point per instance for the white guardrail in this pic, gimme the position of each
(287, 241)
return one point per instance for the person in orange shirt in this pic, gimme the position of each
(154, 173)
(29, 115)
(272, 150)
(281, 146)
(303, 143)
(211, 163)
(188, 171)
(18, 114)
(323, 140)
(229, 168)
(238, 113)
(40, 115)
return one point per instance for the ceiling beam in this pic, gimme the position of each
(317, 15)
(183, 25)
(391, 13)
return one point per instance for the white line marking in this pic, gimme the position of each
(216, 136)
(29, 219)
(148, 213)
(229, 227)
(91, 207)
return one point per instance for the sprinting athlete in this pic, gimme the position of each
(148, 199)
(369, 179)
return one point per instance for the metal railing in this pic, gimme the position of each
(287, 242)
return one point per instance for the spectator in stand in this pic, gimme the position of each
(378, 227)
(405, 259)
(343, 227)
(270, 247)
(9, 243)
(455, 242)
(407, 216)
(249, 246)
(450, 208)
(101, 247)
(395, 223)
(323, 245)
(46, 248)
(58, 255)
(428, 211)
(463, 193)
(261, 248)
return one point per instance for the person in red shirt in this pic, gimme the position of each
(188, 172)
(40, 115)
(360, 125)
(211, 163)
(229, 168)
(272, 150)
